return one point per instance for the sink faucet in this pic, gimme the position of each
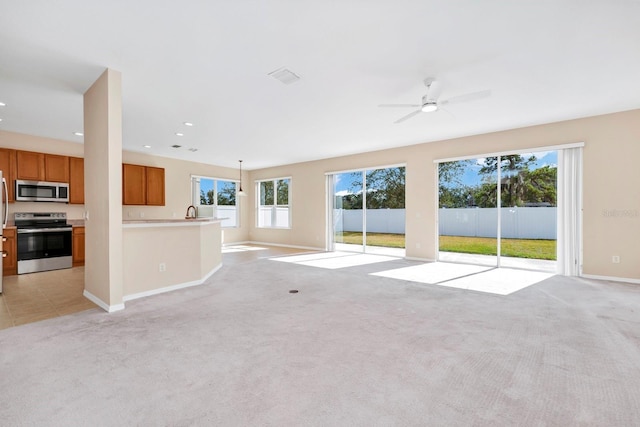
(195, 212)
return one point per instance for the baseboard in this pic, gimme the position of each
(244, 242)
(310, 248)
(172, 287)
(103, 305)
(611, 278)
(410, 258)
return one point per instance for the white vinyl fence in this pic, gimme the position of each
(378, 220)
(517, 223)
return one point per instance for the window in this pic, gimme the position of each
(215, 198)
(274, 210)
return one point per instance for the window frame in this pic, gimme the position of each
(274, 207)
(195, 196)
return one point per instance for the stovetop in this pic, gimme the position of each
(40, 219)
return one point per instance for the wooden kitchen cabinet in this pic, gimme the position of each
(9, 252)
(155, 186)
(8, 168)
(76, 180)
(29, 166)
(32, 166)
(78, 246)
(134, 185)
(56, 168)
(142, 185)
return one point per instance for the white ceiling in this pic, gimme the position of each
(207, 62)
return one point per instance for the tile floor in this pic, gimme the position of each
(37, 296)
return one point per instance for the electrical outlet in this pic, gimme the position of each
(141, 214)
(130, 214)
(162, 267)
(615, 259)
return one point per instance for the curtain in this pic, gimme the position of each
(570, 211)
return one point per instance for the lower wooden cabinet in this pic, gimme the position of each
(9, 252)
(78, 246)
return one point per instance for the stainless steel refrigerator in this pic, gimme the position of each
(4, 212)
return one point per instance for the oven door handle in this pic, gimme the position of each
(43, 230)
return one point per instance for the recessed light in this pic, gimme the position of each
(179, 134)
(176, 146)
(78, 134)
(188, 124)
(146, 146)
(2, 104)
(0, 120)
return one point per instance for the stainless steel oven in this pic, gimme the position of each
(44, 242)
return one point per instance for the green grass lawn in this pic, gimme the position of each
(373, 239)
(518, 248)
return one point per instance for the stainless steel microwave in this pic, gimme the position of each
(39, 191)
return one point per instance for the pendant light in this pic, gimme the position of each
(241, 191)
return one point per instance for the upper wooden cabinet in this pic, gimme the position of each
(8, 168)
(142, 185)
(155, 186)
(56, 168)
(32, 166)
(76, 180)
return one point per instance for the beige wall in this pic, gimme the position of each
(189, 253)
(611, 178)
(178, 191)
(103, 190)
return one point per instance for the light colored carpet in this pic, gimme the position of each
(348, 349)
(501, 281)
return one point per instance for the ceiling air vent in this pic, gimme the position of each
(176, 146)
(285, 76)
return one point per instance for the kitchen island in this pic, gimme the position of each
(161, 255)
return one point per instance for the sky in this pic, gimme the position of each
(471, 177)
(544, 158)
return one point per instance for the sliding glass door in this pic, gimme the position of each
(347, 213)
(468, 214)
(367, 211)
(499, 211)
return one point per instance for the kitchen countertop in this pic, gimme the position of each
(173, 222)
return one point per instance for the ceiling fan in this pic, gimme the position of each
(430, 101)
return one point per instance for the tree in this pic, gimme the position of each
(385, 189)
(227, 194)
(541, 185)
(206, 198)
(452, 192)
(519, 184)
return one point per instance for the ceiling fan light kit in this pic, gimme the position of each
(430, 101)
(429, 107)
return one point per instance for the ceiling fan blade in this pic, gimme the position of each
(399, 105)
(435, 89)
(467, 97)
(408, 116)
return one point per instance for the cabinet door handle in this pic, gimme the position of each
(4, 254)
